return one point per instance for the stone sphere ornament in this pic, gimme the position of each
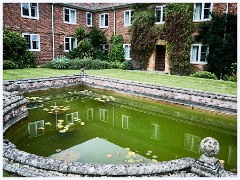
(209, 146)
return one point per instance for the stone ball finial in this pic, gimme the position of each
(209, 146)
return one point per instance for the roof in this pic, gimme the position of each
(97, 6)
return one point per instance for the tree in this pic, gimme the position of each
(221, 36)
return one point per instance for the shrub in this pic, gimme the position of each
(230, 78)
(116, 65)
(60, 63)
(117, 52)
(88, 63)
(127, 65)
(7, 64)
(15, 49)
(47, 65)
(204, 74)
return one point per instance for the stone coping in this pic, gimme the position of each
(27, 164)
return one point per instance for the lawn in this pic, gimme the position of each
(224, 87)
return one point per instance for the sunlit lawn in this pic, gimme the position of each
(225, 87)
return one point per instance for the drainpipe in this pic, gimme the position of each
(53, 49)
(227, 9)
(114, 20)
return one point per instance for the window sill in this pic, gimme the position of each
(103, 27)
(88, 25)
(198, 63)
(203, 20)
(29, 17)
(159, 22)
(70, 23)
(34, 50)
(125, 25)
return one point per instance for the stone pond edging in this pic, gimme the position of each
(26, 164)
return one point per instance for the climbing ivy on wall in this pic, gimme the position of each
(143, 35)
(177, 32)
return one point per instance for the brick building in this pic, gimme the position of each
(49, 27)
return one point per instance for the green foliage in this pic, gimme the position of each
(230, 78)
(127, 65)
(116, 64)
(7, 64)
(177, 32)
(15, 49)
(88, 63)
(116, 53)
(143, 36)
(60, 63)
(89, 44)
(204, 74)
(220, 34)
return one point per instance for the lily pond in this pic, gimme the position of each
(88, 125)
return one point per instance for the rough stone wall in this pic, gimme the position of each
(30, 165)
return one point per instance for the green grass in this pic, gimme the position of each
(217, 86)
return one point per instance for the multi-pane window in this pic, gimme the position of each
(125, 122)
(160, 14)
(191, 143)
(103, 20)
(29, 10)
(105, 49)
(199, 54)
(33, 41)
(128, 17)
(127, 49)
(70, 16)
(154, 131)
(70, 43)
(202, 11)
(89, 19)
(104, 115)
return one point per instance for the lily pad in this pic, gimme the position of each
(82, 123)
(128, 149)
(154, 160)
(131, 153)
(131, 161)
(58, 150)
(127, 156)
(109, 155)
(154, 156)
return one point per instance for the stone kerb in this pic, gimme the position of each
(200, 99)
(27, 164)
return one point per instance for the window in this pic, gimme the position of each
(105, 49)
(128, 17)
(202, 11)
(90, 114)
(232, 156)
(29, 10)
(89, 19)
(70, 16)
(70, 43)
(125, 122)
(154, 131)
(160, 14)
(33, 41)
(103, 22)
(127, 48)
(192, 143)
(199, 54)
(103, 115)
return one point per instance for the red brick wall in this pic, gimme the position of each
(12, 20)
(221, 8)
(62, 29)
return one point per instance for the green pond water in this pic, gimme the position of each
(97, 126)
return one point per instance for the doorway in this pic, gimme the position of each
(160, 58)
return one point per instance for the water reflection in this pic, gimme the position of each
(151, 130)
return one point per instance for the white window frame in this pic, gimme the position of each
(129, 23)
(155, 131)
(70, 10)
(89, 25)
(29, 9)
(128, 57)
(90, 114)
(31, 41)
(125, 122)
(199, 54)
(194, 141)
(202, 12)
(70, 42)
(103, 114)
(104, 17)
(105, 48)
(161, 9)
